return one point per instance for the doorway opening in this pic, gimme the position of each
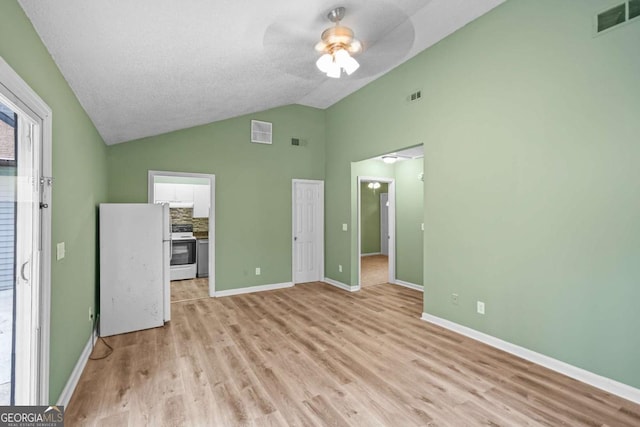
(25, 239)
(191, 200)
(388, 212)
(376, 230)
(374, 233)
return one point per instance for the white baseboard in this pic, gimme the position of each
(409, 285)
(72, 382)
(611, 386)
(341, 285)
(371, 254)
(251, 289)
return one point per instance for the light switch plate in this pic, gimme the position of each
(257, 271)
(344, 227)
(422, 226)
(60, 251)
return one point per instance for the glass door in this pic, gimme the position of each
(19, 255)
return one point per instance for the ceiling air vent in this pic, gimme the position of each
(261, 132)
(617, 15)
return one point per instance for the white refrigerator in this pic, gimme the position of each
(135, 253)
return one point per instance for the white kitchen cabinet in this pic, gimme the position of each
(168, 192)
(184, 192)
(201, 201)
(164, 192)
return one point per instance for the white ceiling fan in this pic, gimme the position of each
(337, 45)
(383, 28)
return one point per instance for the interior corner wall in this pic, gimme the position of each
(253, 184)
(79, 169)
(409, 219)
(530, 128)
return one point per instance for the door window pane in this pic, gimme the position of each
(8, 138)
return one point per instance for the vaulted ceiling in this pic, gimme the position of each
(146, 67)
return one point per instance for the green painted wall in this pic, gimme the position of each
(79, 168)
(409, 219)
(253, 184)
(530, 126)
(370, 217)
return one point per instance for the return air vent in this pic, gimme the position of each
(415, 96)
(617, 15)
(261, 132)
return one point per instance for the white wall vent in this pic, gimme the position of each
(261, 132)
(617, 15)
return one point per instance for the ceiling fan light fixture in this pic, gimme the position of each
(334, 71)
(337, 43)
(350, 65)
(324, 63)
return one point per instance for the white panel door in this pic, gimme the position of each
(307, 231)
(384, 223)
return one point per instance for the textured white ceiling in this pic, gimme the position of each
(147, 67)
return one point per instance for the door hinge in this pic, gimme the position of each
(46, 180)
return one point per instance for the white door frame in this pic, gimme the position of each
(320, 228)
(392, 225)
(212, 210)
(386, 226)
(19, 92)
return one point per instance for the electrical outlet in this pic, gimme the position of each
(344, 227)
(257, 271)
(422, 226)
(454, 299)
(340, 268)
(480, 307)
(90, 314)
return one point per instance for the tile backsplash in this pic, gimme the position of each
(200, 226)
(181, 215)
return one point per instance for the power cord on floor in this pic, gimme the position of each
(110, 349)
(104, 356)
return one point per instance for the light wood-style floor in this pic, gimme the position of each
(316, 355)
(190, 289)
(374, 270)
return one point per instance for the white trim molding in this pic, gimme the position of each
(72, 382)
(409, 285)
(371, 254)
(252, 289)
(341, 285)
(611, 386)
